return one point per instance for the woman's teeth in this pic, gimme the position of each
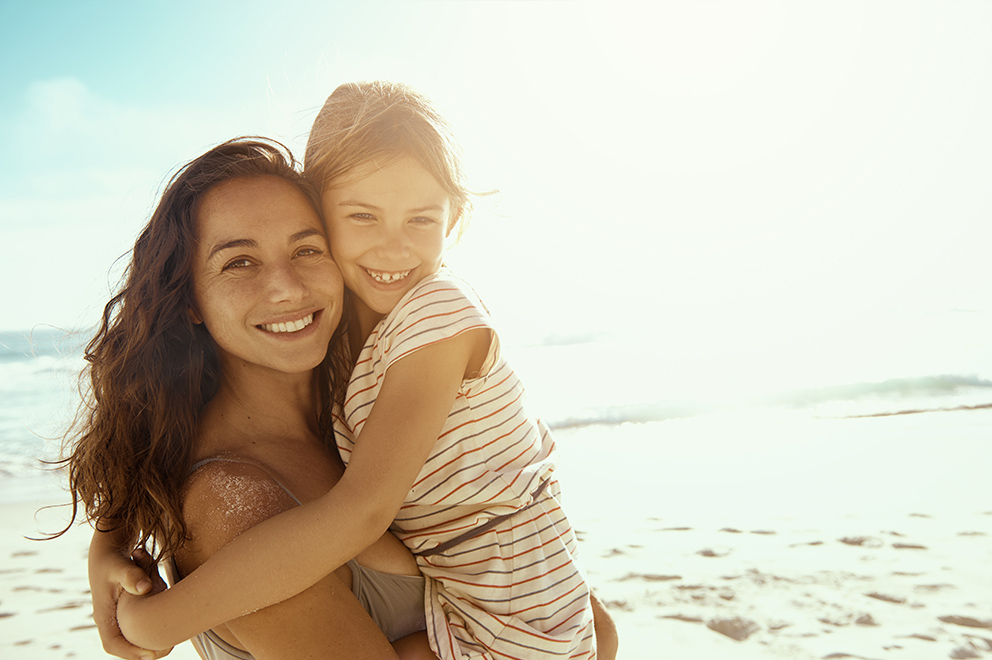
(387, 278)
(291, 326)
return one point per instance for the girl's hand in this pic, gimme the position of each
(110, 575)
(129, 601)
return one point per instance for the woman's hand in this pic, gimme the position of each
(112, 574)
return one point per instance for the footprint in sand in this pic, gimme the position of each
(649, 577)
(966, 621)
(67, 606)
(886, 598)
(735, 628)
(682, 617)
(861, 541)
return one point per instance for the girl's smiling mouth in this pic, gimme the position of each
(386, 277)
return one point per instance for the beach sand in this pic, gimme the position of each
(745, 535)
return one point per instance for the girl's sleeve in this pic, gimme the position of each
(438, 309)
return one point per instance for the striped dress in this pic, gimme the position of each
(483, 517)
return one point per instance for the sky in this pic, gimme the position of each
(768, 183)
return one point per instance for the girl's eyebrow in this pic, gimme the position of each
(372, 207)
(252, 243)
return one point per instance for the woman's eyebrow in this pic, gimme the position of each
(252, 243)
(306, 233)
(236, 243)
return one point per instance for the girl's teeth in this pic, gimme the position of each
(387, 278)
(290, 326)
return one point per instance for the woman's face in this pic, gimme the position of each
(264, 282)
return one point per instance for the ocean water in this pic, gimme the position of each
(39, 373)
(573, 381)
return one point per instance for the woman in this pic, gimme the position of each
(210, 408)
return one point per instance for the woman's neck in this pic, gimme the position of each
(252, 407)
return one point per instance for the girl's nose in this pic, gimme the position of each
(393, 244)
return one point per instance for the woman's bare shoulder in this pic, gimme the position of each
(222, 499)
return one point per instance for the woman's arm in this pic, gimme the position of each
(111, 573)
(310, 541)
(225, 499)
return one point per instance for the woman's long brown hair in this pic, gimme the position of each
(151, 370)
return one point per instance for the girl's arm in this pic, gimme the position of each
(111, 573)
(222, 501)
(290, 552)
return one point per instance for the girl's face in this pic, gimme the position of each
(264, 281)
(387, 228)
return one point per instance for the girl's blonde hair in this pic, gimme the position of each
(381, 122)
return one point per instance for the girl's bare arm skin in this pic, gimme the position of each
(223, 501)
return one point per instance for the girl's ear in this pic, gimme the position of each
(453, 222)
(193, 316)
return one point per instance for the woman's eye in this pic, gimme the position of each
(308, 252)
(235, 264)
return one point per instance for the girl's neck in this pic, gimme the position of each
(360, 326)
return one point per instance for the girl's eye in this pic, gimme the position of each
(423, 220)
(362, 217)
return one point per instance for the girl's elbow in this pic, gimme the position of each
(379, 520)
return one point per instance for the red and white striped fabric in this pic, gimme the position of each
(515, 589)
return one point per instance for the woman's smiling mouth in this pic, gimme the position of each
(289, 326)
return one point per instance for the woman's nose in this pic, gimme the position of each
(285, 284)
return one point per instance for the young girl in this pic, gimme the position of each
(433, 429)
